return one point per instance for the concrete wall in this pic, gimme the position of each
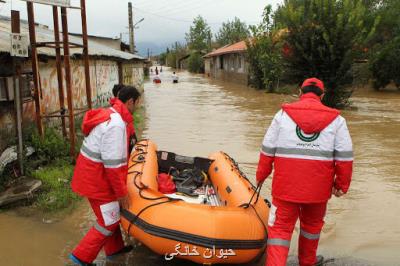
(133, 75)
(207, 66)
(228, 67)
(103, 75)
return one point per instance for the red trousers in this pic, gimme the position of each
(281, 222)
(99, 236)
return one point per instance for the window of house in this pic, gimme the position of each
(239, 61)
(221, 62)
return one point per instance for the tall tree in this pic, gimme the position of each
(232, 32)
(323, 36)
(264, 54)
(199, 36)
(385, 45)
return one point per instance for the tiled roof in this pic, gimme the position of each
(238, 47)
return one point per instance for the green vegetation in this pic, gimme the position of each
(264, 55)
(196, 63)
(384, 44)
(301, 39)
(173, 55)
(56, 191)
(52, 165)
(51, 146)
(232, 32)
(199, 43)
(385, 65)
(323, 37)
(199, 36)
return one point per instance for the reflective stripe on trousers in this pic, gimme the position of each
(103, 230)
(278, 242)
(309, 235)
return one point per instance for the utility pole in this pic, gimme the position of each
(86, 54)
(176, 57)
(131, 33)
(15, 29)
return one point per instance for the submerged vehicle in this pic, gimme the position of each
(212, 215)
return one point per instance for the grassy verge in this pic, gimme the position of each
(56, 192)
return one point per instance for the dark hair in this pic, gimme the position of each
(116, 89)
(128, 92)
(317, 91)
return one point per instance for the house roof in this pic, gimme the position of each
(44, 34)
(238, 47)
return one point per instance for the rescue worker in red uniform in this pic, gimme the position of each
(132, 138)
(310, 148)
(100, 175)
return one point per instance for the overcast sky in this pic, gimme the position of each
(165, 21)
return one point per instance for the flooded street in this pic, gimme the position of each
(198, 116)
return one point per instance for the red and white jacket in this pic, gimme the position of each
(101, 168)
(311, 150)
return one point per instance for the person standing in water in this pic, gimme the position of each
(100, 175)
(174, 77)
(311, 150)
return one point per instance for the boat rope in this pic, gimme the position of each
(265, 228)
(256, 192)
(139, 158)
(235, 166)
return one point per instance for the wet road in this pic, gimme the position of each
(198, 116)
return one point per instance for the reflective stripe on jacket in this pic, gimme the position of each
(307, 166)
(101, 167)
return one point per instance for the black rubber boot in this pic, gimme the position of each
(79, 262)
(124, 250)
(320, 261)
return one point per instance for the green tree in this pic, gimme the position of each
(196, 63)
(264, 54)
(199, 36)
(176, 52)
(385, 65)
(232, 32)
(384, 44)
(324, 37)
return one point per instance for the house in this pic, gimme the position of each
(228, 63)
(114, 43)
(108, 65)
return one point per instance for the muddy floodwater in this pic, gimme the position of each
(198, 116)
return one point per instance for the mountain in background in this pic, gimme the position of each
(154, 48)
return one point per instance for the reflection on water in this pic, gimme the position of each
(198, 116)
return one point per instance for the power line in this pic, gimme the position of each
(181, 20)
(168, 6)
(188, 6)
(160, 16)
(152, 5)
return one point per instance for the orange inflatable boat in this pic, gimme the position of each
(228, 225)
